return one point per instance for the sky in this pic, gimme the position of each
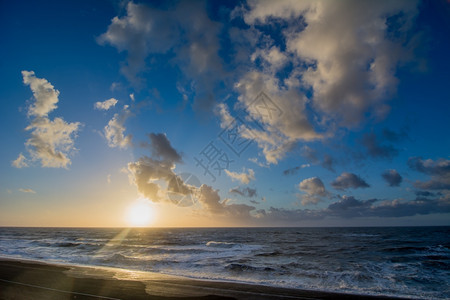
(224, 113)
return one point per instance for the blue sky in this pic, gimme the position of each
(223, 113)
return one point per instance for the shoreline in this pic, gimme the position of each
(29, 279)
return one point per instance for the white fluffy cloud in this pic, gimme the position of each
(45, 95)
(115, 130)
(349, 53)
(279, 109)
(243, 177)
(20, 162)
(342, 58)
(51, 141)
(105, 105)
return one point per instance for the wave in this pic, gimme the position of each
(235, 267)
(221, 244)
(395, 262)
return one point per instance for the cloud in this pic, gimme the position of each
(51, 141)
(45, 94)
(393, 136)
(392, 177)
(314, 189)
(427, 194)
(183, 29)
(294, 170)
(210, 200)
(244, 192)
(280, 110)
(439, 170)
(161, 147)
(350, 66)
(348, 207)
(331, 76)
(376, 149)
(105, 105)
(272, 57)
(30, 191)
(310, 154)
(156, 180)
(349, 180)
(153, 178)
(328, 162)
(114, 131)
(142, 31)
(242, 177)
(20, 162)
(440, 167)
(347, 69)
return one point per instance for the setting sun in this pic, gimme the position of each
(140, 214)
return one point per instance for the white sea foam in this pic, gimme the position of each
(396, 262)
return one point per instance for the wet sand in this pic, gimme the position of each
(36, 280)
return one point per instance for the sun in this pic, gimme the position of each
(140, 213)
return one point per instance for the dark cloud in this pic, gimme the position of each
(427, 194)
(314, 189)
(161, 147)
(439, 167)
(376, 149)
(349, 180)
(433, 184)
(419, 206)
(439, 170)
(393, 136)
(328, 162)
(244, 192)
(294, 170)
(348, 207)
(392, 177)
(210, 200)
(289, 215)
(310, 154)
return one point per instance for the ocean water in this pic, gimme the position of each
(399, 261)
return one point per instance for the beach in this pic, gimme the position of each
(21, 279)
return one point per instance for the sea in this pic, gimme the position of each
(411, 262)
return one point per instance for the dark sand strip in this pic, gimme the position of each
(32, 280)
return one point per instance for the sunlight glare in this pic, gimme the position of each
(140, 213)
